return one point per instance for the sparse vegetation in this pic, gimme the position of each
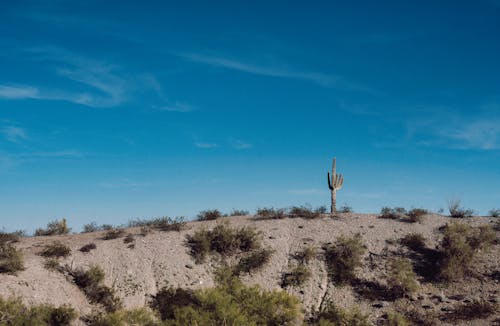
(222, 239)
(129, 238)
(494, 212)
(138, 316)
(253, 261)
(230, 303)
(414, 241)
(304, 212)
(334, 315)
(208, 215)
(470, 311)
(113, 234)
(11, 259)
(460, 244)
(51, 264)
(297, 276)
(239, 212)
(344, 257)
(88, 247)
(55, 249)
(93, 227)
(10, 237)
(90, 281)
(345, 209)
(401, 278)
(396, 319)
(307, 254)
(455, 209)
(416, 215)
(54, 228)
(164, 223)
(392, 213)
(271, 213)
(14, 312)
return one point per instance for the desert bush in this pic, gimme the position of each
(345, 209)
(494, 212)
(88, 247)
(414, 241)
(11, 259)
(137, 316)
(333, 315)
(401, 278)
(307, 254)
(93, 227)
(55, 249)
(208, 215)
(113, 234)
(392, 213)
(478, 309)
(14, 312)
(304, 212)
(455, 209)
(297, 276)
(254, 261)
(344, 257)
(459, 245)
(223, 240)
(416, 215)
(90, 281)
(164, 223)
(54, 228)
(231, 303)
(129, 238)
(396, 319)
(10, 237)
(239, 212)
(271, 213)
(51, 264)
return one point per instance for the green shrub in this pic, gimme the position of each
(11, 259)
(223, 240)
(54, 228)
(113, 234)
(460, 244)
(90, 281)
(137, 316)
(457, 211)
(392, 213)
(231, 303)
(271, 213)
(307, 254)
(296, 276)
(401, 278)
(10, 237)
(14, 312)
(416, 215)
(304, 212)
(344, 257)
(91, 227)
(254, 261)
(51, 264)
(495, 212)
(161, 223)
(414, 241)
(345, 209)
(208, 215)
(470, 311)
(396, 319)
(239, 212)
(88, 247)
(331, 315)
(55, 249)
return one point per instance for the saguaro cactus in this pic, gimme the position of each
(335, 182)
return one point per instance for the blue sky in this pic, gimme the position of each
(113, 110)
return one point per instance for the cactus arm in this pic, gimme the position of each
(329, 182)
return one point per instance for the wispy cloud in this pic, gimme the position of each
(122, 183)
(18, 92)
(321, 79)
(479, 134)
(13, 134)
(311, 191)
(177, 107)
(53, 154)
(205, 145)
(239, 144)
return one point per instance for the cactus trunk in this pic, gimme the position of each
(333, 208)
(335, 182)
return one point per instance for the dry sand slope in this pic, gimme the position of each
(161, 258)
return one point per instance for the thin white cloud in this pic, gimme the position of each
(13, 134)
(122, 183)
(18, 92)
(205, 145)
(479, 134)
(239, 144)
(177, 107)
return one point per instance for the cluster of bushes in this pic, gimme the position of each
(113, 234)
(10, 237)
(291, 212)
(494, 212)
(343, 257)
(91, 283)
(14, 312)
(164, 223)
(460, 245)
(93, 227)
(399, 213)
(455, 209)
(222, 239)
(56, 249)
(54, 228)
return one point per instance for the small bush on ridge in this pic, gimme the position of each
(457, 211)
(164, 223)
(54, 228)
(208, 215)
(271, 213)
(416, 215)
(239, 212)
(113, 234)
(345, 209)
(494, 212)
(392, 213)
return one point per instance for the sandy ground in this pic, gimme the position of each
(161, 258)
